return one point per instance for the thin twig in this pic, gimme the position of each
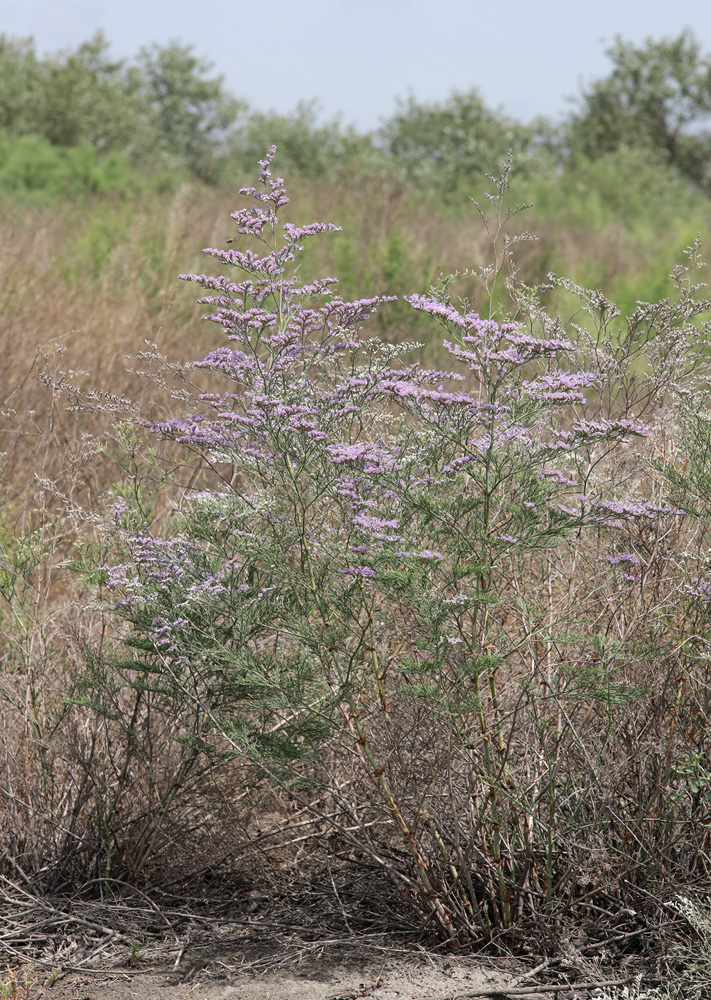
(501, 992)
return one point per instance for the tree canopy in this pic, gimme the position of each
(167, 110)
(658, 96)
(453, 142)
(164, 109)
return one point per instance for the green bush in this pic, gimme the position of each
(32, 169)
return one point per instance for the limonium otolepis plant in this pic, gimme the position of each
(383, 563)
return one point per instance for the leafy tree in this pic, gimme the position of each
(163, 110)
(20, 85)
(191, 111)
(454, 142)
(658, 97)
(305, 145)
(71, 99)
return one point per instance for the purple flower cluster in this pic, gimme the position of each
(366, 572)
(630, 509)
(347, 464)
(557, 476)
(166, 633)
(486, 346)
(561, 387)
(700, 587)
(622, 557)
(373, 458)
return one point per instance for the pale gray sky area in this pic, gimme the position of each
(357, 56)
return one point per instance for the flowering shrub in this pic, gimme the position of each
(445, 579)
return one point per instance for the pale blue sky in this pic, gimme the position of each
(357, 56)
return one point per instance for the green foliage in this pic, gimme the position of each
(450, 145)
(189, 111)
(306, 146)
(32, 169)
(626, 218)
(71, 99)
(657, 97)
(624, 188)
(165, 110)
(162, 112)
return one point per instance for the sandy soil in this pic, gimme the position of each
(336, 977)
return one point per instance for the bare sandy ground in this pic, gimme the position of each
(402, 977)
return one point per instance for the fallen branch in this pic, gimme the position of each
(502, 992)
